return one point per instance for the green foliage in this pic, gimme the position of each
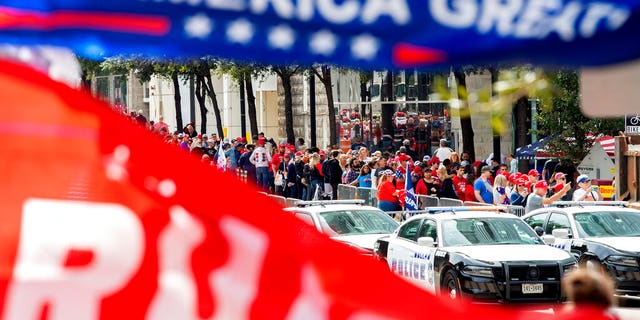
(561, 118)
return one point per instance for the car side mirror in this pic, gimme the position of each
(426, 242)
(539, 231)
(560, 233)
(548, 239)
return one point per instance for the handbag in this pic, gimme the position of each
(278, 179)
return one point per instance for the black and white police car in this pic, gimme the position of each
(478, 254)
(347, 221)
(599, 234)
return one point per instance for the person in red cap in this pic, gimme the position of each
(539, 199)
(534, 177)
(520, 191)
(560, 180)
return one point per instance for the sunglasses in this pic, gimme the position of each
(561, 179)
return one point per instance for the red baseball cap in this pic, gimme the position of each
(417, 170)
(542, 184)
(559, 175)
(322, 153)
(533, 172)
(558, 187)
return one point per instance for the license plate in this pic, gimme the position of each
(530, 288)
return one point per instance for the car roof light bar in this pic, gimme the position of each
(328, 202)
(589, 203)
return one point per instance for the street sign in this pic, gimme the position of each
(632, 124)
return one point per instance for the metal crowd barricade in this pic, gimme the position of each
(516, 210)
(427, 201)
(446, 202)
(368, 195)
(347, 192)
(282, 201)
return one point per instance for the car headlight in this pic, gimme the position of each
(569, 267)
(478, 271)
(627, 261)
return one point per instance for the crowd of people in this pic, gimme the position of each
(301, 172)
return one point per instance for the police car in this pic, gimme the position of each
(348, 221)
(599, 234)
(476, 253)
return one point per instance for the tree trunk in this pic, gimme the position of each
(201, 96)
(214, 102)
(364, 97)
(177, 100)
(325, 78)
(465, 123)
(288, 107)
(522, 128)
(251, 105)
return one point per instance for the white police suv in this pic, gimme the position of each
(347, 221)
(599, 234)
(484, 256)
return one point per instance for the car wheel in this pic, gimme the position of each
(450, 286)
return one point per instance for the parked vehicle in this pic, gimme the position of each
(484, 256)
(603, 235)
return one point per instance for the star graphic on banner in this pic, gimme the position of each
(198, 26)
(240, 31)
(364, 46)
(281, 37)
(323, 42)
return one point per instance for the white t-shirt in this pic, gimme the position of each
(577, 195)
(443, 153)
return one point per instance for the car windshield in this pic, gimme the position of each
(487, 231)
(608, 224)
(356, 222)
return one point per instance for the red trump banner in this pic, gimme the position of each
(102, 220)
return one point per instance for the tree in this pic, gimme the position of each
(562, 119)
(466, 125)
(285, 73)
(246, 73)
(89, 68)
(324, 74)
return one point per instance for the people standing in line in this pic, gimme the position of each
(500, 192)
(447, 190)
(315, 175)
(260, 159)
(483, 190)
(443, 152)
(538, 199)
(364, 179)
(387, 194)
(244, 163)
(585, 192)
(459, 181)
(513, 163)
(332, 171)
(534, 177)
(427, 185)
(519, 194)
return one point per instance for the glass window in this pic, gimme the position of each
(487, 231)
(558, 221)
(410, 230)
(537, 220)
(429, 229)
(354, 222)
(608, 224)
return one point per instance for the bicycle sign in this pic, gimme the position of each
(632, 124)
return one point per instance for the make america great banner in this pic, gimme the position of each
(365, 34)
